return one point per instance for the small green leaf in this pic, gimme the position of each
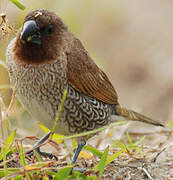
(93, 150)
(63, 173)
(44, 128)
(119, 144)
(112, 157)
(78, 176)
(101, 165)
(57, 137)
(130, 145)
(18, 4)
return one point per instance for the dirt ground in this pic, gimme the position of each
(154, 161)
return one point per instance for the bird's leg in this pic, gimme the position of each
(81, 144)
(78, 150)
(41, 141)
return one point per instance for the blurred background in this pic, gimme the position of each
(132, 41)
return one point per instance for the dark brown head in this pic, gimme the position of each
(41, 37)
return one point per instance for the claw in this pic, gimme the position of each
(82, 170)
(45, 154)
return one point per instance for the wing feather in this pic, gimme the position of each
(85, 76)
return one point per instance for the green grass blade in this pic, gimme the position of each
(119, 144)
(22, 155)
(112, 157)
(63, 173)
(78, 176)
(102, 163)
(10, 170)
(44, 128)
(74, 144)
(18, 4)
(51, 173)
(6, 148)
(18, 177)
(37, 155)
(129, 138)
(5, 168)
(60, 109)
(138, 142)
(93, 150)
(57, 137)
(93, 131)
(92, 178)
(10, 139)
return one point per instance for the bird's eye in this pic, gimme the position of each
(50, 29)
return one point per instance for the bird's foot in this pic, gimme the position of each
(37, 147)
(44, 154)
(81, 170)
(78, 150)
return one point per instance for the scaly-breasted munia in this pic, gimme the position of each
(46, 58)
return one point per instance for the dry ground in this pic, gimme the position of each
(154, 161)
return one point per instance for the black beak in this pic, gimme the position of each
(31, 32)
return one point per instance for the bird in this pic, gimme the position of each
(46, 59)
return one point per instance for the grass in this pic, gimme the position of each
(38, 167)
(13, 151)
(18, 4)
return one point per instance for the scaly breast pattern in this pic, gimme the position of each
(40, 89)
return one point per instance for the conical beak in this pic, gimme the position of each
(31, 32)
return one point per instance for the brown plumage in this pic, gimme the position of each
(84, 75)
(47, 58)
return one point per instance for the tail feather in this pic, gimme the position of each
(134, 116)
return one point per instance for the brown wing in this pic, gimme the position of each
(84, 75)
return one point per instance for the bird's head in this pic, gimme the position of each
(41, 37)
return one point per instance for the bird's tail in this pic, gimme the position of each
(134, 116)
